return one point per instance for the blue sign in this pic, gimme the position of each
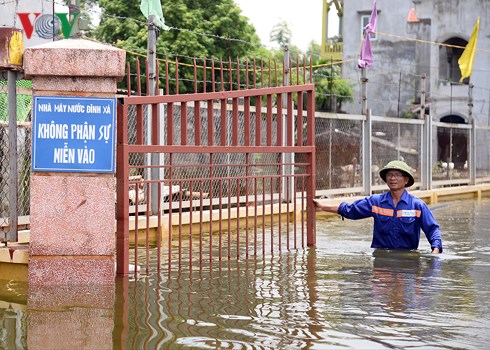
(73, 134)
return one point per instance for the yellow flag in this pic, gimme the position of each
(468, 57)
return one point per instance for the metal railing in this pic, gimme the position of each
(350, 150)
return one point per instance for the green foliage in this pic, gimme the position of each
(281, 34)
(84, 19)
(331, 91)
(197, 29)
(409, 115)
(23, 104)
(207, 29)
(314, 49)
(336, 39)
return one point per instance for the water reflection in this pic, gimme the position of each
(337, 295)
(70, 317)
(401, 280)
(226, 305)
(13, 315)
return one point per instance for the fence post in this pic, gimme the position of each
(472, 151)
(122, 192)
(364, 81)
(287, 158)
(428, 145)
(13, 178)
(366, 153)
(311, 170)
(424, 165)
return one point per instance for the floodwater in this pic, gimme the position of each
(338, 295)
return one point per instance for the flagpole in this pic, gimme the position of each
(154, 157)
(366, 56)
(364, 81)
(472, 152)
(152, 10)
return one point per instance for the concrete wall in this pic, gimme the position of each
(391, 55)
(439, 21)
(399, 62)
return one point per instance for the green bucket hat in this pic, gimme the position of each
(398, 165)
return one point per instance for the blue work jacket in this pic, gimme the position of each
(395, 228)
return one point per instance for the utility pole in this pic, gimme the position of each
(153, 130)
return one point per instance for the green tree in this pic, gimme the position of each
(314, 49)
(281, 34)
(211, 28)
(330, 90)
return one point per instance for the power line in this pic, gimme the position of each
(426, 41)
(142, 53)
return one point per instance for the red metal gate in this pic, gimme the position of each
(220, 174)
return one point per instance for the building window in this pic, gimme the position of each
(364, 23)
(452, 144)
(448, 60)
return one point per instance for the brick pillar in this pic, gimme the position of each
(72, 214)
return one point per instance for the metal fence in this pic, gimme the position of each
(17, 185)
(482, 152)
(223, 163)
(345, 166)
(350, 150)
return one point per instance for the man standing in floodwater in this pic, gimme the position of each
(398, 215)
